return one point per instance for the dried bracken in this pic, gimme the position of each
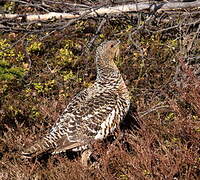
(41, 71)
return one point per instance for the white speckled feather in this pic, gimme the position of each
(93, 113)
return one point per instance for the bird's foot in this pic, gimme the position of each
(85, 157)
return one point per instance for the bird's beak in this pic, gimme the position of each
(117, 48)
(117, 42)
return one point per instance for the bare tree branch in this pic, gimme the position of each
(98, 11)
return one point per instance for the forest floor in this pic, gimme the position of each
(41, 72)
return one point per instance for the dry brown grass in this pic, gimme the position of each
(166, 146)
(166, 143)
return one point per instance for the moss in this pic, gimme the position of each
(197, 130)
(170, 116)
(34, 113)
(20, 56)
(87, 84)
(34, 47)
(66, 56)
(8, 71)
(6, 52)
(9, 7)
(38, 87)
(4, 63)
(14, 110)
(147, 173)
(44, 87)
(6, 76)
(68, 75)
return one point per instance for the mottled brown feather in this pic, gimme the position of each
(93, 113)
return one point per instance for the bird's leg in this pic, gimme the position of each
(85, 157)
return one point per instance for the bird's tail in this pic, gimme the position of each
(44, 144)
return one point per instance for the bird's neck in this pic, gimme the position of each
(108, 74)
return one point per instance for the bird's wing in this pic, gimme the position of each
(86, 117)
(91, 115)
(56, 137)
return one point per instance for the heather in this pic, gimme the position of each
(41, 71)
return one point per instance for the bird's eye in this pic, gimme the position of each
(111, 45)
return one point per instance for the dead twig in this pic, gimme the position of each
(154, 108)
(96, 11)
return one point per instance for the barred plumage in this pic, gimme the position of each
(93, 113)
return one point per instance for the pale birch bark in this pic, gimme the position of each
(119, 9)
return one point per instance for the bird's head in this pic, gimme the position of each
(106, 53)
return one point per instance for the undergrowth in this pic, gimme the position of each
(38, 81)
